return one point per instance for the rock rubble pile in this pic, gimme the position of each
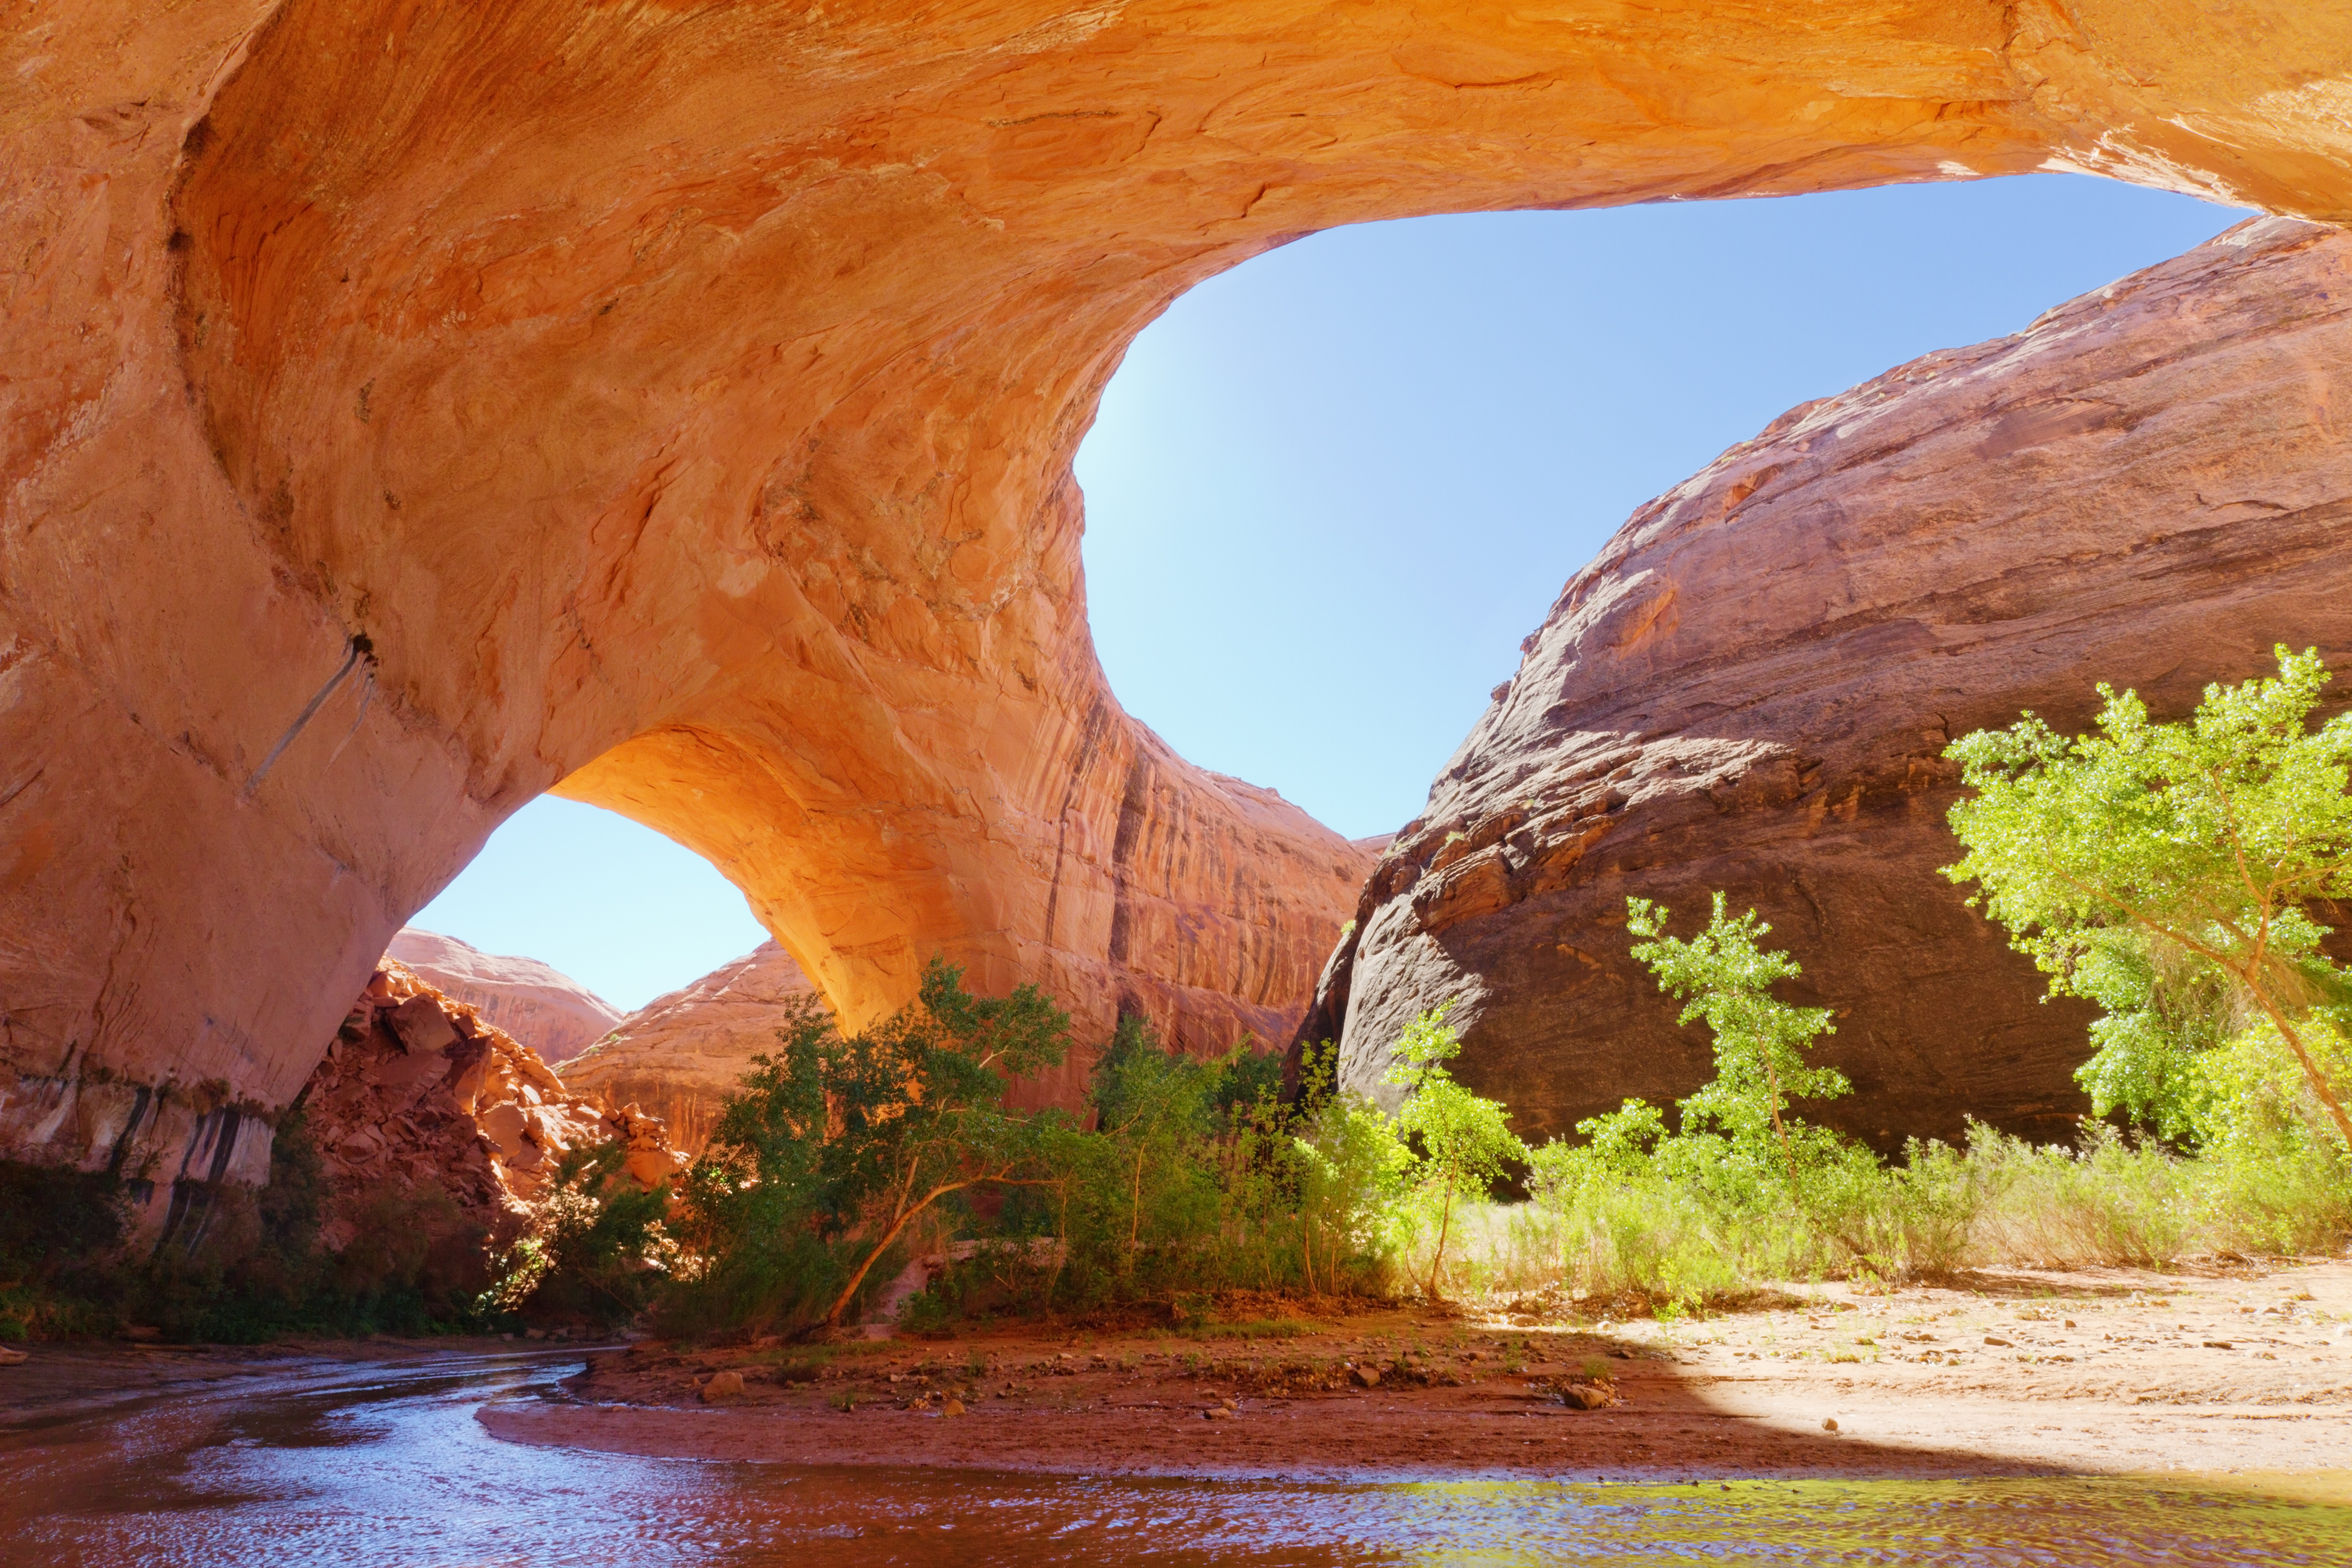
(418, 1091)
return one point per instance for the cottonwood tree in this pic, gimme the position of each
(1154, 1110)
(1726, 976)
(1462, 1141)
(836, 1143)
(916, 1108)
(2144, 861)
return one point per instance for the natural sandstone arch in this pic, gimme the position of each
(679, 396)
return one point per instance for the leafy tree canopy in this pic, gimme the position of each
(2162, 870)
(1464, 1138)
(1726, 976)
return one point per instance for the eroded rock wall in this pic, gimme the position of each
(1751, 687)
(536, 1002)
(417, 1092)
(682, 1053)
(419, 406)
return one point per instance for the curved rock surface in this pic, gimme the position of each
(1750, 688)
(421, 406)
(680, 1053)
(537, 1004)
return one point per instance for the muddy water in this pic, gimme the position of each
(336, 1464)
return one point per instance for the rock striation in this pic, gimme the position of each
(419, 1092)
(419, 407)
(681, 1054)
(1751, 687)
(539, 1004)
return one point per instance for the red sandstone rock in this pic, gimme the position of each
(681, 1054)
(540, 1005)
(1752, 686)
(419, 1092)
(416, 408)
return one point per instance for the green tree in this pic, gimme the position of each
(2146, 860)
(1759, 1041)
(1153, 1109)
(836, 1143)
(1463, 1143)
(916, 1108)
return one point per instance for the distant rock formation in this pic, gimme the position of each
(1752, 686)
(540, 1005)
(679, 1054)
(418, 1090)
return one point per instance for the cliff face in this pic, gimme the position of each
(1752, 686)
(540, 1005)
(681, 1054)
(420, 407)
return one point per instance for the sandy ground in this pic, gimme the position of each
(2238, 1369)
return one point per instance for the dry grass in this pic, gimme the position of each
(2000, 1203)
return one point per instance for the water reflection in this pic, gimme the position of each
(377, 1465)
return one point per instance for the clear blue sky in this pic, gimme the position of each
(1332, 490)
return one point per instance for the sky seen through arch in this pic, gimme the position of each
(1328, 491)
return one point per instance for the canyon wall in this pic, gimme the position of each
(539, 1004)
(417, 407)
(1752, 686)
(682, 1053)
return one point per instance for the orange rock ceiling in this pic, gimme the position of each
(412, 406)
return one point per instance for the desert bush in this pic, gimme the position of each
(595, 1251)
(1458, 1142)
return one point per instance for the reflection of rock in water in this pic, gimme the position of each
(539, 1004)
(296, 1462)
(679, 1054)
(418, 1092)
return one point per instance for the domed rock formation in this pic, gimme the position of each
(540, 1005)
(1752, 686)
(420, 407)
(680, 1053)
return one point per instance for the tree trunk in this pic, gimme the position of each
(1445, 1220)
(2317, 1079)
(841, 1302)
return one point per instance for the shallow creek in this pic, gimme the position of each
(321, 1462)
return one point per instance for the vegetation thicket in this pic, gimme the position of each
(2168, 873)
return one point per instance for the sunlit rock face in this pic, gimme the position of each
(537, 1004)
(1752, 686)
(415, 407)
(681, 1054)
(418, 1092)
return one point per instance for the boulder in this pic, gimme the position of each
(1752, 686)
(423, 407)
(478, 1117)
(721, 1387)
(539, 1004)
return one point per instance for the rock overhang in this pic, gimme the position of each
(680, 402)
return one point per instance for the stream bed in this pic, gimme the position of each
(339, 1463)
